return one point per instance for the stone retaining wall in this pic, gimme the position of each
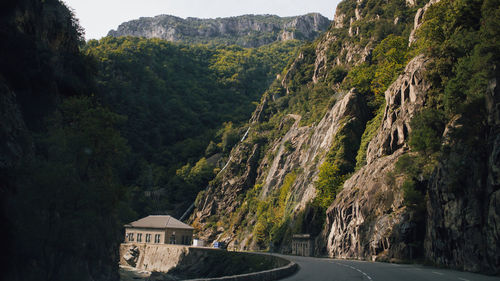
(164, 257)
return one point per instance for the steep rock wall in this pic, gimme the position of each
(368, 219)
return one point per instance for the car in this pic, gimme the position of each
(220, 245)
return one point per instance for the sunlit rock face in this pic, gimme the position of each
(368, 220)
(247, 30)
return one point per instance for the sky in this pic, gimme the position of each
(97, 17)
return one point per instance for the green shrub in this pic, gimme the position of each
(337, 74)
(370, 131)
(329, 182)
(427, 131)
(289, 146)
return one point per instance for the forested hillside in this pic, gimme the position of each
(183, 104)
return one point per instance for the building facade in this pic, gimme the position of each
(159, 230)
(302, 245)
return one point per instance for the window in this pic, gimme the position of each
(131, 237)
(139, 237)
(148, 237)
(185, 240)
(157, 238)
(172, 239)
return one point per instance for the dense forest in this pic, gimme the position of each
(61, 151)
(183, 104)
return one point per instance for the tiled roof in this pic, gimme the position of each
(159, 222)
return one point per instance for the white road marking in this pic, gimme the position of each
(358, 270)
(463, 279)
(438, 273)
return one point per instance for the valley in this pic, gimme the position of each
(370, 142)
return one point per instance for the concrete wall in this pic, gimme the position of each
(155, 257)
(197, 261)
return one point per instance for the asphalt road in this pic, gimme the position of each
(320, 269)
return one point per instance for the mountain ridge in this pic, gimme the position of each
(245, 30)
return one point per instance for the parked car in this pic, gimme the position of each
(220, 245)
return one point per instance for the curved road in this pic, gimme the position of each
(323, 269)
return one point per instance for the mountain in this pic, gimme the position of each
(246, 31)
(380, 139)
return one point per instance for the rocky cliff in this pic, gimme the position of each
(368, 219)
(397, 184)
(247, 30)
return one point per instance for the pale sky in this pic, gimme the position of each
(97, 17)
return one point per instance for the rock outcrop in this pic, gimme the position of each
(176, 262)
(247, 30)
(403, 99)
(368, 220)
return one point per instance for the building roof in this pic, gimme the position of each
(159, 222)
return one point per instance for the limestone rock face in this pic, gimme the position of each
(247, 30)
(310, 144)
(403, 99)
(368, 219)
(132, 255)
